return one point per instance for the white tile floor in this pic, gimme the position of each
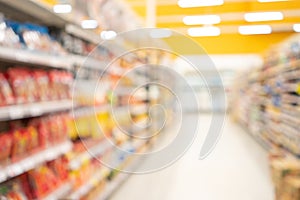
(237, 169)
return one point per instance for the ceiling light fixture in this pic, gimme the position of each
(296, 28)
(204, 31)
(264, 1)
(89, 24)
(62, 8)
(255, 29)
(108, 35)
(201, 19)
(263, 16)
(199, 3)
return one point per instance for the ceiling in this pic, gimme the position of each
(170, 15)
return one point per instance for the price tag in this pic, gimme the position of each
(16, 112)
(51, 154)
(3, 175)
(23, 57)
(14, 170)
(27, 164)
(35, 111)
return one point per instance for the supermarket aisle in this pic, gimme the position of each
(236, 170)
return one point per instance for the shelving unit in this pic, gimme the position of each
(21, 111)
(32, 161)
(74, 152)
(267, 106)
(95, 150)
(89, 185)
(60, 192)
(111, 187)
(121, 177)
(25, 56)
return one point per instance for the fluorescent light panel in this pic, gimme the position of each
(62, 8)
(108, 35)
(263, 16)
(264, 1)
(199, 3)
(89, 24)
(204, 31)
(296, 28)
(255, 29)
(201, 19)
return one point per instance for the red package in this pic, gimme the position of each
(60, 84)
(26, 185)
(60, 168)
(42, 181)
(54, 84)
(5, 146)
(6, 95)
(42, 128)
(33, 140)
(22, 84)
(57, 129)
(42, 85)
(67, 81)
(20, 143)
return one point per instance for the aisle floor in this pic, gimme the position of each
(237, 169)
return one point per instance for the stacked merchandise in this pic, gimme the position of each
(48, 152)
(21, 85)
(286, 176)
(269, 106)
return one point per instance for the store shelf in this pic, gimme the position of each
(32, 10)
(266, 145)
(90, 110)
(102, 174)
(33, 161)
(24, 56)
(33, 109)
(87, 62)
(97, 149)
(281, 68)
(112, 186)
(60, 192)
(89, 185)
(120, 178)
(34, 58)
(83, 33)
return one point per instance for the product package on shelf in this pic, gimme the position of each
(274, 93)
(286, 177)
(24, 138)
(37, 183)
(6, 95)
(12, 190)
(9, 37)
(20, 85)
(35, 37)
(42, 151)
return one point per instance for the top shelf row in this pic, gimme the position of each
(37, 12)
(42, 13)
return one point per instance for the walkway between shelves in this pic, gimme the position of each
(237, 169)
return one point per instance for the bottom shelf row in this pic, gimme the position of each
(54, 180)
(284, 166)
